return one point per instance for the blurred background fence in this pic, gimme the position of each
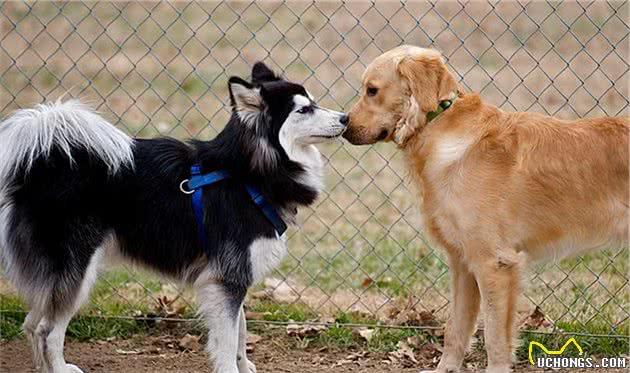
(160, 68)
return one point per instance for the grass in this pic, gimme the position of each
(339, 335)
(85, 326)
(592, 346)
(11, 317)
(387, 339)
(580, 306)
(284, 313)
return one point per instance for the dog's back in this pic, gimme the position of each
(537, 184)
(570, 183)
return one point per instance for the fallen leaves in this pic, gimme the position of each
(381, 282)
(168, 307)
(537, 321)
(408, 314)
(190, 343)
(353, 358)
(304, 330)
(252, 339)
(412, 350)
(403, 355)
(128, 352)
(365, 333)
(277, 290)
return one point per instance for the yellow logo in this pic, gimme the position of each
(551, 352)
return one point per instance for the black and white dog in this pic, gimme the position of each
(75, 190)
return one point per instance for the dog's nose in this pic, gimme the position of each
(344, 119)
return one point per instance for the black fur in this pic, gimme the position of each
(61, 212)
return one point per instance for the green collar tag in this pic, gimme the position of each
(441, 107)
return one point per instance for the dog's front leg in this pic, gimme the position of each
(499, 279)
(463, 319)
(244, 365)
(221, 307)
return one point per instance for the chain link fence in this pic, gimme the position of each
(161, 68)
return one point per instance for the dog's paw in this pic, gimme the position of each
(71, 368)
(251, 367)
(248, 367)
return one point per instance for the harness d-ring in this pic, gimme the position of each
(181, 187)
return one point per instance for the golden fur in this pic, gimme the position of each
(497, 190)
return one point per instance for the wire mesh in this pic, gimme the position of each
(161, 68)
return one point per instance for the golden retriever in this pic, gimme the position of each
(497, 190)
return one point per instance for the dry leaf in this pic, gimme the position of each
(252, 339)
(366, 334)
(128, 352)
(189, 343)
(537, 321)
(416, 342)
(279, 291)
(352, 358)
(367, 282)
(305, 330)
(327, 320)
(429, 351)
(407, 314)
(403, 355)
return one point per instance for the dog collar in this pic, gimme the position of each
(444, 104)
(195, 185)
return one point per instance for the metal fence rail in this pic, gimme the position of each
(161, 68)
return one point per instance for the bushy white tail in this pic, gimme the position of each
(30, 133)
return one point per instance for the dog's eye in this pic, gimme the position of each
(371, 91)
(305, 109)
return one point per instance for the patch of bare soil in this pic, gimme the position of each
(159, 355)
(162, 355)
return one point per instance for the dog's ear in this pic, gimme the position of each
(261, 73)
(245, 99)
(429, 82)
(428, 79)
(410, 120)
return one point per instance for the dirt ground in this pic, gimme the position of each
(153, 355)
(143, 356)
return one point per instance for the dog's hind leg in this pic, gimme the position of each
(29, 327)
(220, 307)
(244, 365)
(50, 333)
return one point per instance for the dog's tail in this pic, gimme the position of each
(32, 133)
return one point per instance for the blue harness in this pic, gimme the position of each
(195, 186)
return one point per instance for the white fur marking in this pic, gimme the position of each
(265, 255)
(300, 100)
(53, 353)
(244, 365)
(31, 133)
(247, 102)
(449, 150)
(265, 156)
(223, 325)
(300, 131)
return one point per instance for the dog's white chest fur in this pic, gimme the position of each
(444, 174)
(265, 255)
(447, 151)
